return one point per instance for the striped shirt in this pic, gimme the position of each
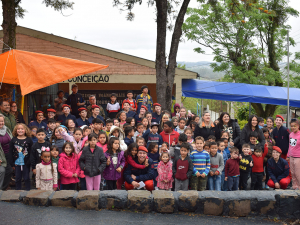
(201, 161)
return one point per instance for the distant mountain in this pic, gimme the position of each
(203, 69)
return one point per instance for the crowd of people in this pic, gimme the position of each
(136, 145)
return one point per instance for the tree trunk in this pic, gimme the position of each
(165, 74)
(9, 26)
(264, 113)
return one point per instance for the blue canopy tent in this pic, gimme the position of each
(240, 92)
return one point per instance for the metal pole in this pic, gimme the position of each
(288, 77)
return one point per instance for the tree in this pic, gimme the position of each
(165, 73)
(11, 10)
(246, 37)
(295, 71)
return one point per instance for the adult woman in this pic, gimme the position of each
(232, 127)
(270, 125)
(279, 170)
(5, 137)
(252, 125)
(206, 127)
(14, 110)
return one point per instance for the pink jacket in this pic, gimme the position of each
(67, 166)
(164, 173)
(104, 147)
(70, 138)
(294, 146)
(81, 174)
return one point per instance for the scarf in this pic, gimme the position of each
(3, 130)
(44, 163)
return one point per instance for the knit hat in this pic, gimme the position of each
(142, 148)
(279, 116)
(277, 149)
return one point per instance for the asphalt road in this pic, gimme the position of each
(17, 213)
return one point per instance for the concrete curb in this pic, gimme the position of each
(278, 203)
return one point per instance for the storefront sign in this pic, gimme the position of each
(90, 79)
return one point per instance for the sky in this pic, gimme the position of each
(98, 23)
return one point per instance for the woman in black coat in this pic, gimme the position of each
(206, 127)
(252, 125)
(232, 127)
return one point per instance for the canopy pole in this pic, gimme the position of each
(288, 77)
(22, 105)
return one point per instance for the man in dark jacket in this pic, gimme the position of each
(281, 136)
(75, 100)
(133, 176)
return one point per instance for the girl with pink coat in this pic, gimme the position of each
(165, 174)
(68, 167)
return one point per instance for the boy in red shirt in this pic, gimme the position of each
(258, 167)
(169, 135)
(232, 170)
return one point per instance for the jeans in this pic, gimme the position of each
(224, 185)
(181, 185)
(214, 182)
(82, 184)
(233, 183)
(22, 171)
(155, 175)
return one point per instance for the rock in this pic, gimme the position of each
(11, 196)
(263, 202)
(63, 198)
(1, 192)
(116, 199)
(288, 204)
(88, 200)
(208, 200)
(213, 206)
(140, 200)
(187, 201)
(240, 205)
(164, 201)
(37, 198)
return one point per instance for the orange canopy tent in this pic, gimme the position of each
(33, 71)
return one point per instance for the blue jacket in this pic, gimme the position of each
(281, 137)
(91, 119)
(128, 141)
(279, 170)
(79, 122)
(139, 101)
(141, 174)
(39, 125)
(62, 118)
(130, 114)
(153, 138)
(156, 118)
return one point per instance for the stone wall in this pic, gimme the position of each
(279, 203)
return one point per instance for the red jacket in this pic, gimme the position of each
(169, 138)
(67, 166)
(258, 162)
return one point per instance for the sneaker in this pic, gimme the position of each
(156, 188)
(267, 187)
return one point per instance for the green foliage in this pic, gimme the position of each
(242, 123)
(59, 4)
(243, 113)
(181, 66)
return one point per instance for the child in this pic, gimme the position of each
(227, 150)
(116, 122)
(193, 126)
(138, 117)
(57, 123)
(122, 118)
(132, 102)
(139, 131)
(36, 150)
(145, 123)
(189, 133)
(33, 130)
(117, 132)
(169, 135)
(258, 167)
(140, 141)
(68, 167)
(45, 180)
(114, 164)
(206, 146)
(93, 162)
(175, 121)
(148, 116)
(109, 124)
(95, 114)
(113, 107)
(181, 126)
(71, 126)
(165, 174)
(82, 120)
(97, 125)
(225, 134)
(211, 138)
(267, 135)
(51, 126)
(129, 133)
(201, 162)
(245, 164)
(154, 155)
(20, 146)
(164, 147)
(131, 121)
(57, 140)
(126, 109)
(182, 169)
(175, 150)
(253, 140)
(86, 131)
(221, 150)
(216, 168)
(75, 139)
(54, 152)
(232, 171)
(154, 136)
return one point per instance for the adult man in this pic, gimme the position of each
(144, 99)
(9, 120)
(39, 120)
(281, 136)
(133, 175)
(59, 101)
(75, 100)
(93, 101)
(156, 115)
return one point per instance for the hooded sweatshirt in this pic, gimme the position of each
(176, 105)
(123, 146)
